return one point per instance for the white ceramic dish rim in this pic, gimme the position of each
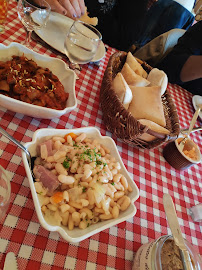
(195, 102)
(43, 110)
(83, 234)
(62, 23)
(189, 159)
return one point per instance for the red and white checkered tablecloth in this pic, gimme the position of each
(113, 248)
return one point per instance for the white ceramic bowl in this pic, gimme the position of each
(57, 66)
(77, 235)
(197, 100)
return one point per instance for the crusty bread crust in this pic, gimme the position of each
(85, 18)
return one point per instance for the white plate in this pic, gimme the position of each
(58, 67)
(77, 235)
(197, 100)
(55, 31)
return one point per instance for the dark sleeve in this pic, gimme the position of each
(172, 65)
(121, 26)
(189, 44)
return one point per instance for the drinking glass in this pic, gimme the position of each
(5, 192)
(33, 16)
(3, 14)
(81, 42)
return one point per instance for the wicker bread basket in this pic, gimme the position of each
(120, 122)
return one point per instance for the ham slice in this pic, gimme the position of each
(48, 179)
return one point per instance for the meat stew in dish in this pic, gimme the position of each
(24, 80)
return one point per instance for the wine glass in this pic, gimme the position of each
(5, 192)
(81, 42)
(33, 15)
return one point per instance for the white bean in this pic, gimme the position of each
(75, 164)
(52, 207)
(44, 152)
(117, 177)
(69, 140)
(64, 208)
(58, 138)
(59, 154)
(124, 182)
(87, 173)
(66, 179)
(50, 159)
(66, 196)
(80, 138)
(60, 169)
(57, 145)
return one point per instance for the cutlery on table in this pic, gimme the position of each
(10, 262)
(176, 231)
(193, 121)
(12, 139)
(184, 131)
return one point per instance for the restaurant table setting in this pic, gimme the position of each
(108, 244)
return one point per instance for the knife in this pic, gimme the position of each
(176, 231)
(10, 262)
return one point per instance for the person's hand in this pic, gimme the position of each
(71, 8)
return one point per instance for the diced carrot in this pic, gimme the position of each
(57, 197)
(73, 135)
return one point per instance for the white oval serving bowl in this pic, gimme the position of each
(66, 76)
(77, 235)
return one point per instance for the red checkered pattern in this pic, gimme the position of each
(113, 248)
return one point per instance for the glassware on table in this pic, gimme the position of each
(33, 16)
(5, 192)
(3, 14)
(81, 42)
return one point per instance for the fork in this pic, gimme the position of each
(12, 139)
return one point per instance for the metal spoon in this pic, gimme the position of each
(8, 136)
(184, 131)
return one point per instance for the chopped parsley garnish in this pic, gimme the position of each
(112, 183)
(66, 163)
(98, 162)
(84, 189)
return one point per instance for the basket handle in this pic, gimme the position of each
(158, 135)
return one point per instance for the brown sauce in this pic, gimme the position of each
(23, 79)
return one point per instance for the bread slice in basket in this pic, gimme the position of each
(120, 121)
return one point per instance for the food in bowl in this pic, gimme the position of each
(80, 183)
(77, 235)
(164, 254)
(170, 256)
(21, 78)
(182, 158)
(190, 152)
(58, 67)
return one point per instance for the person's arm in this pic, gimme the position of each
(192, 69)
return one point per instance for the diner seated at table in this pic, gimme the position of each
(165, 15)
(118, 21)
(179, 53)
(183, 64)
